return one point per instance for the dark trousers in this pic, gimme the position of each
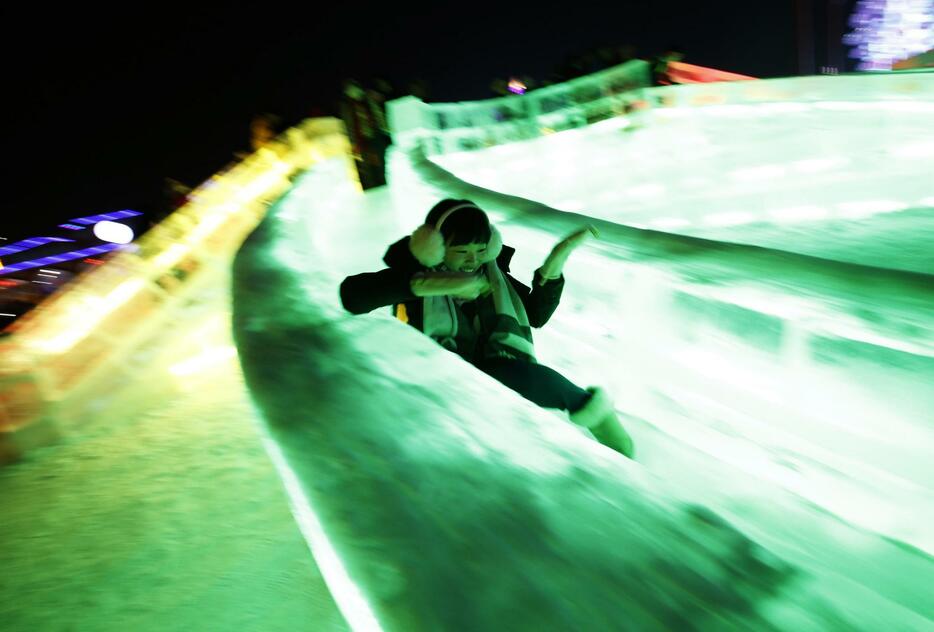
(537, 383)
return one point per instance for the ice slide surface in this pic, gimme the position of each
(168, 510)
(431, 474)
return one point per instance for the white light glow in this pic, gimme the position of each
(113, 232)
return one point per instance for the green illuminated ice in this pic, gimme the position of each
(781, 405)
(451, 504)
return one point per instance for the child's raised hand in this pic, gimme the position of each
(553, 265)
(576, 238)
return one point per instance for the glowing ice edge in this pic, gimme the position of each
(84, 325)
(241, 188)
(347, 595)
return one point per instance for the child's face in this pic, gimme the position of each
(464, 258)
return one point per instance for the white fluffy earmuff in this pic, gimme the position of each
(427, 244)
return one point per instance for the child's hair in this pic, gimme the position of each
(467, 225)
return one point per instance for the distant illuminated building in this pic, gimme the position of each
(516, 87)
(84, 236)
(34, 268)
(888, 31)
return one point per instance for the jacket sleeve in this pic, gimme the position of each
(362, 293)
(541, 300)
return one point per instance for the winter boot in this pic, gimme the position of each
(598, 415)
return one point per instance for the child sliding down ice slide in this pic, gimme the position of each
(450, 280)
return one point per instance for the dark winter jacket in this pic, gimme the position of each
(365, 292)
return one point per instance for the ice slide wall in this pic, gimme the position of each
(825, 365)
(446, 502)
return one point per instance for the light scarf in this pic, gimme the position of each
(511, 335)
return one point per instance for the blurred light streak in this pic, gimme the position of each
(27, 244)
(203, 361)
(65, 256)
(86, 317)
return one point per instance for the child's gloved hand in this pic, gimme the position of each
(554, 264)
(465, 285)
(472, 288)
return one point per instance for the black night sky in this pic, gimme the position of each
(101, 106)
